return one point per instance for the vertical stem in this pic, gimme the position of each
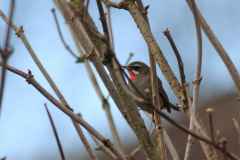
(155, 92)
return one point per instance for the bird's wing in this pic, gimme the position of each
(164, 96)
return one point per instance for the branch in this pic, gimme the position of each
(155, 92)
(137, 149)
(155, 49)
(168, 141)
(84, 140)
(210, 111)
(203, 136)
(158, 55)
(196, 82)
(5, 53)
(219, 48)
(180, 64)
(20, 33)
(101, 147)
(46, 75)
(97, 88)
(238, 130)
(190, 140)
(60, 34)
(55, 133)
(35, 84)
(132, 112)
(88, 47)
(113, 4)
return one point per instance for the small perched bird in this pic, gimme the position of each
(140, 76)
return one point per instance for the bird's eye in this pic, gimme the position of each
(135, 67)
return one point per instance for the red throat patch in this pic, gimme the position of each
(132, 76)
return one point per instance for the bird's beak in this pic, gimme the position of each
(126, 67)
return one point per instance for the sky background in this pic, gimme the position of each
(25, 131)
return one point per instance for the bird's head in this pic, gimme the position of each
(137, 69)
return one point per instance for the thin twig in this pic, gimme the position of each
(180, 62)
(168, 141)
(190, 140)
(137, 149)
(110, 27)
(210, 111)
(196, 85)
(219, 48)
(85, 142)
(60, 34)
(55, 133)
(126, 63)
(63, 108)
(113, 128)
(170, 146)
(5, 52)
(101, 147)
(238, 129)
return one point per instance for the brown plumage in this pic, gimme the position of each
(140, 76)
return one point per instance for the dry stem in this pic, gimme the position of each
(219, 48)
(67, 111)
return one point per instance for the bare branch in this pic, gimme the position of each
(5, 52)
(129, 58)
(113, 4)
(60, 34)
(155, 49)
(67, 111)
(238, 129)
(190, 140)
(219, 48)
(137, 149)
(168, 142)
(55, 133)
(155, 92)
(113, 129)
(197, 81)
(170, 146)
(180, 63)
(210, 111)
(84, 140)
(101, 147)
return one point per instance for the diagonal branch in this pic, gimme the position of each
(19, 32)
(98, 90)
(55, 133)
(85, 142)
(29, 78)
(60, 34)
(219, 48)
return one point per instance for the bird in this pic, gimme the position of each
(140, 76)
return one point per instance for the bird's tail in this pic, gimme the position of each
(174, 107)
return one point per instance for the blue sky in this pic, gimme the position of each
(25, 130)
